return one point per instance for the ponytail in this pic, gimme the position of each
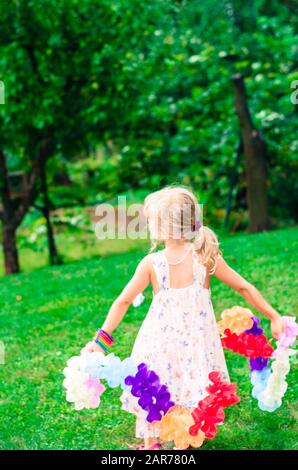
(206, 246)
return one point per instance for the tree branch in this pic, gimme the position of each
(34, 63)
(43, 154)
(241, 107)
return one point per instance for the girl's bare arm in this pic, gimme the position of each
(135, 286)
(230, 277)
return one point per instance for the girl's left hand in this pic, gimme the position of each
(277, 326)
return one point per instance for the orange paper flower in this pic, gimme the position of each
(175, 425)
(236, 319)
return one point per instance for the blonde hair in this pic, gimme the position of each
(175, 210)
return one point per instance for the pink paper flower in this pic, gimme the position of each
(288, 337)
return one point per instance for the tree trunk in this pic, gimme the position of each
(53, 252)
(10, 251)
(233, 182)
(12, 213)
(255, 162)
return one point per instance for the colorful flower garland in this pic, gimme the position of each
(269, 382)
(178, 424)
(240, 332)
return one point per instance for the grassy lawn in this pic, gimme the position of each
(49, 314)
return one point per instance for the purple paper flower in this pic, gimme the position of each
(153, 396)
(255, 329)
(258, 364)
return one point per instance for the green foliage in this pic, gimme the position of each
(189, 131)
(71, 71)
(181, 126)
(147, 85)
(48, 315)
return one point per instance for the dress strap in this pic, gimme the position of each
(161, 269)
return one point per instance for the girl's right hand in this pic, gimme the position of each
(92, 347)
(277, 326)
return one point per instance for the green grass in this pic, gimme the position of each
(49, 314)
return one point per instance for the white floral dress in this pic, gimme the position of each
(179, 340)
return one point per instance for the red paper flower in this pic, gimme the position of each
(206, 417)
(247, 344)
(222, 393)
(210, 411)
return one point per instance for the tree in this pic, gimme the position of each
(255, 161)
(72, 70)
(185, 129)
(13, 215)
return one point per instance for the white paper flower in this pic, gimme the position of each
(81, 389)
(139, 299)
(271, 397)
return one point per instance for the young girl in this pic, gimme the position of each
(178, 338)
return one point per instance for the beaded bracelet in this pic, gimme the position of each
(103, 339)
